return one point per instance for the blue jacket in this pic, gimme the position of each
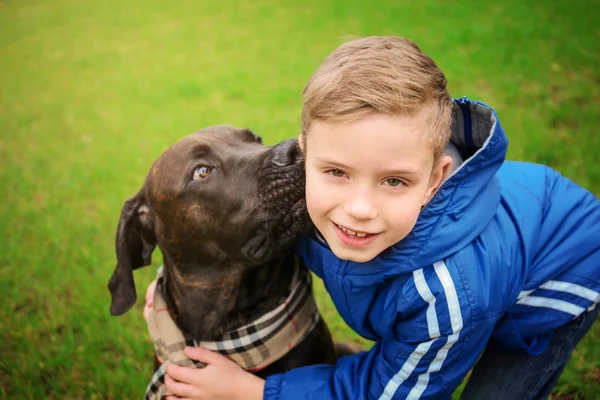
(505, 252)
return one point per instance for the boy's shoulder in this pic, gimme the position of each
(519, 176)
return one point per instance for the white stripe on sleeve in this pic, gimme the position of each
(451, 297)
(554, 304)
(407, 368)
(525, 293)
(456, 322)
(425, 292)
(572, 288)
(435, 366)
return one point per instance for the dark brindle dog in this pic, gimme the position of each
(224, 210)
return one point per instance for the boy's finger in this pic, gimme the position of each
(181, 389)
(187, 375)
(150, 292)
(206, 356)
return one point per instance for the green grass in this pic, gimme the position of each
(92, 92)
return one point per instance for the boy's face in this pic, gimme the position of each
(367, 180)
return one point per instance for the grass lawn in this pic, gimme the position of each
(92, 92)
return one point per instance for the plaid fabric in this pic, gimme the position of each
(253, 346)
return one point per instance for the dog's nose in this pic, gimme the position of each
(286, 153)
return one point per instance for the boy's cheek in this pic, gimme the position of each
(317, 194)
(317, 207)
(312, 189)
(314, 206)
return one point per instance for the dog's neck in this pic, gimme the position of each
(206, 301)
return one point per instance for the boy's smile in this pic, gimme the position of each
(354, 238)
(367, 180)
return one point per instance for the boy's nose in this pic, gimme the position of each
(360, 207)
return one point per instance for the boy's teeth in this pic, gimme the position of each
(352, 233)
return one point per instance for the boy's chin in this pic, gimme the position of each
(358, 256)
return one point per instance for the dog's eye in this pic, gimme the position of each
(201, 173)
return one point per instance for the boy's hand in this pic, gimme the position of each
(221, 378)
(149, 299)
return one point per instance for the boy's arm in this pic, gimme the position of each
(569, 235)
(433, 347)
(390, 370)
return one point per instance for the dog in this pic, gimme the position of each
(224, 210)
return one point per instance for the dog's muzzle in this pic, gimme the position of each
(282, 203)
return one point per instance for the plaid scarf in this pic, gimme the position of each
(254, 346)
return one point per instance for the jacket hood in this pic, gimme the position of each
(465, 203)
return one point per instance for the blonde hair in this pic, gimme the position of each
(379, 74)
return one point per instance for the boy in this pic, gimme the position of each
(436, 264)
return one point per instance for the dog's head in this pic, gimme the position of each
(217, 196)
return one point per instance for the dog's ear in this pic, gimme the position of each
(134, 245)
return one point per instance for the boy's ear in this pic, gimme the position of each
(302, 141)
(440, 172)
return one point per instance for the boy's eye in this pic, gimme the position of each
(393, 182)
(336, 172)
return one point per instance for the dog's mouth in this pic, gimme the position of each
(284, 216)
(278, 231)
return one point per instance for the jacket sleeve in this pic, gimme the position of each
(434, 344)
(569, 234)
